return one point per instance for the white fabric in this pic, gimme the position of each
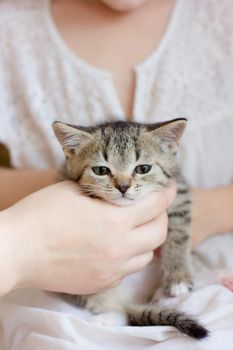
(189, 75)
(35, 320)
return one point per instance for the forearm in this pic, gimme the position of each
(222, 208)
(212, 212)
(17, 184)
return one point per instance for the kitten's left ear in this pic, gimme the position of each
(70, 137)
(169, 133)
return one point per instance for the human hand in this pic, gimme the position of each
(61, 240)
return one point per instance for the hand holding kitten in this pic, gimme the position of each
(58, 239)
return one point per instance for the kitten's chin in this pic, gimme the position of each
(122, 201)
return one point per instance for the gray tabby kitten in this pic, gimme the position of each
(121, 162)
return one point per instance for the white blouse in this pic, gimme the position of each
(189, 75)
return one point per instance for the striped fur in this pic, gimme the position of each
(153, 315)
(121, 147)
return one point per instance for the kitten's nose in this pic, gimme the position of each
(122, 188)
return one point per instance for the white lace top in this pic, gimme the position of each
(189, 75)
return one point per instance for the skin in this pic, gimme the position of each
(17, 184)
(212, 212)
(62, 253)
(116, 22)
(97, 34)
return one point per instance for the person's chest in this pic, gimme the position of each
(114, 42)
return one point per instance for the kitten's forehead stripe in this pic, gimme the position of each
(106, 140)
(138, 153)
(120, 138)
(105, 154)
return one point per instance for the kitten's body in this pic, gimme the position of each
(111, 161)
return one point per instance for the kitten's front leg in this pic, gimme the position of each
(175, 264)
(175, 253)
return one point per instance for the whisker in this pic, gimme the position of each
(98, 191)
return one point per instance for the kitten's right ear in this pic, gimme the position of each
(169, 133)
(70, 137)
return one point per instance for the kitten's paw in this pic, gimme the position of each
(177, 285)
(174, 290)
(110, 319)
(178, 289)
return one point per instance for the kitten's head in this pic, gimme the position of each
(121, 161)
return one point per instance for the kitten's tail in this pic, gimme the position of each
(154, 315)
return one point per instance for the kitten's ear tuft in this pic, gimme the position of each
(170, 132)
(70, 137)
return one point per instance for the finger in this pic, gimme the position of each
(147, 237)
(137, 263)
(171, 193)
(148, 208)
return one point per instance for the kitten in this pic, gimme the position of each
(121, 162)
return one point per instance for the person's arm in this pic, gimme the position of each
(60, 240)
(17, 184)
(212, 212)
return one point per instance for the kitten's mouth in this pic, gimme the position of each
(129, 199)
(123, 200)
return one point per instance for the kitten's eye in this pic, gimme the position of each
(143, 169)
(101, 170)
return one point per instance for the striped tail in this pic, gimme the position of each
(153, 315)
